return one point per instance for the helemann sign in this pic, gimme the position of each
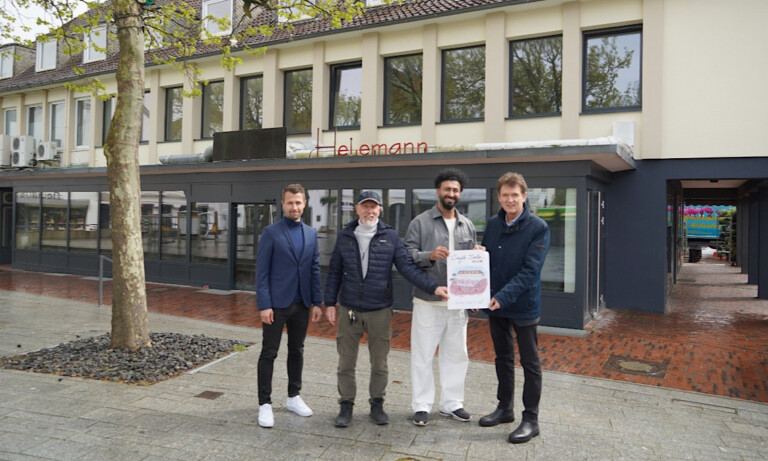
(397, 148)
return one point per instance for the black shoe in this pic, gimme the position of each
(421, 418)
(377, 412)
(459, 415)
(524, 432)
(499, 415)
(345, 414)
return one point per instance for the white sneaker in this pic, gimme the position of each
(296, 405)
(266, 418)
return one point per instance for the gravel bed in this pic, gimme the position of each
(170, 355)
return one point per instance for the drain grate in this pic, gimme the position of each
(626, 364)
(210, 395)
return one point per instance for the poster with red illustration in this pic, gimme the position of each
(469, 278)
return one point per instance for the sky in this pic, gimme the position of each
(29, 17)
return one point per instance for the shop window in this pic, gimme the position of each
(150, 223)
(472, 204)
(612, 66)
(144, 136)
(27, 220)
(35, 122)
(56, 113)
(84, 222)
(209, 232)
(213, 109)
(217, 16)
(82, 122)
(105, 224)
(298, 101)
(54, 221)
(346, 92)
(173, 225)
(251, 102)
(95, 43)
(9, 121)
(556, 206)
(403, 77)
(322, 213)
(46, 55)
(174, 101)
(536, 76)
(463, 96)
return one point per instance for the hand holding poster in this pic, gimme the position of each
(468, 279)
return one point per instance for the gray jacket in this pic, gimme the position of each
(426, 232)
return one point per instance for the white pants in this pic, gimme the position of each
(434, 326)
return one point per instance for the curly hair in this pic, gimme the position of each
(451, 174)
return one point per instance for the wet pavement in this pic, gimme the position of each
(713, 338)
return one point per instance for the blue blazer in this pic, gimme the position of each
(280, 272)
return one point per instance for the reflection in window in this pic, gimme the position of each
(298, 101)
(173, 226)
(174, 101)
(10, 127)
(612, 70)
(213, 109)
(150, 223)
(472, 204)
(105, 224)
(251, 107)
(322, 213)
(27, 220)
(209, 232)
(83, 222)
(346, 92)
(35, 122)
(536, 76)
(463, 84)
(106, 118)
(144, 136)
(402, 86)
(57, 122)
(82, 122)
(54, 221)
(556, 206)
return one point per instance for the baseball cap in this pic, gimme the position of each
(368, 195)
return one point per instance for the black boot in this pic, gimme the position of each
(345, 414)
(377, 412)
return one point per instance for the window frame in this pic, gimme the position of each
(145, 118)
(243, 91)
(443, 119)
(387, 92)
(334, 90)
(42, 49)
(90, 54)
(206, 106)
(616, 31)
(206, 4)
(53, 125)
(8, 129)
(286, 99)
(6, 63)
(82, 130)
(168, 112)
(107, 112)
(512, 86)
(31, 131)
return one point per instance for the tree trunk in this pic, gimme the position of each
(130, 328)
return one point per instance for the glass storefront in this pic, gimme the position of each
(83, 222)
(209, 232)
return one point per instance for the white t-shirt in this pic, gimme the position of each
(451, 225)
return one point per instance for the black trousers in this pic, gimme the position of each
(296, 320)
(504, 346)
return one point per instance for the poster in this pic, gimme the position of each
(468, 279)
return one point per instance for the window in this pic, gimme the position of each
(95, 43)
(35, 122)
(9, 120)
(83, 222)
(54, 221)
(173, 113)
(82, 122)
(536, 76)
(173, 225)
(374, 2)
(107, 113)
(293, 10)
(6, 63)
(150, 223)
(56, 133)
(27, 220)
(472, 204)
(46, 55)
(346, 91)
(213, 109)
(463, 84)
(612, 70)
(251, 103)
(144, 136)
(218, 9)
(403, 77)
(298, 101)
(209, 232)
(105, 224)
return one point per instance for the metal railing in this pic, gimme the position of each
(101, 276)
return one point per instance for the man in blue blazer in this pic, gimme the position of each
(287, 287)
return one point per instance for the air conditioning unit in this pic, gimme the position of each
(5, 150)
(22, 159)
(25, 144)
(46, 151)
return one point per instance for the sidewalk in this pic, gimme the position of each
(52, 417)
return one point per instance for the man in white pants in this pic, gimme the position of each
(430, 237)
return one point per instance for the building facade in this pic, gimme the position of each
(617, 112)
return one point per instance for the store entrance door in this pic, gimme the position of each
(250, 221)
